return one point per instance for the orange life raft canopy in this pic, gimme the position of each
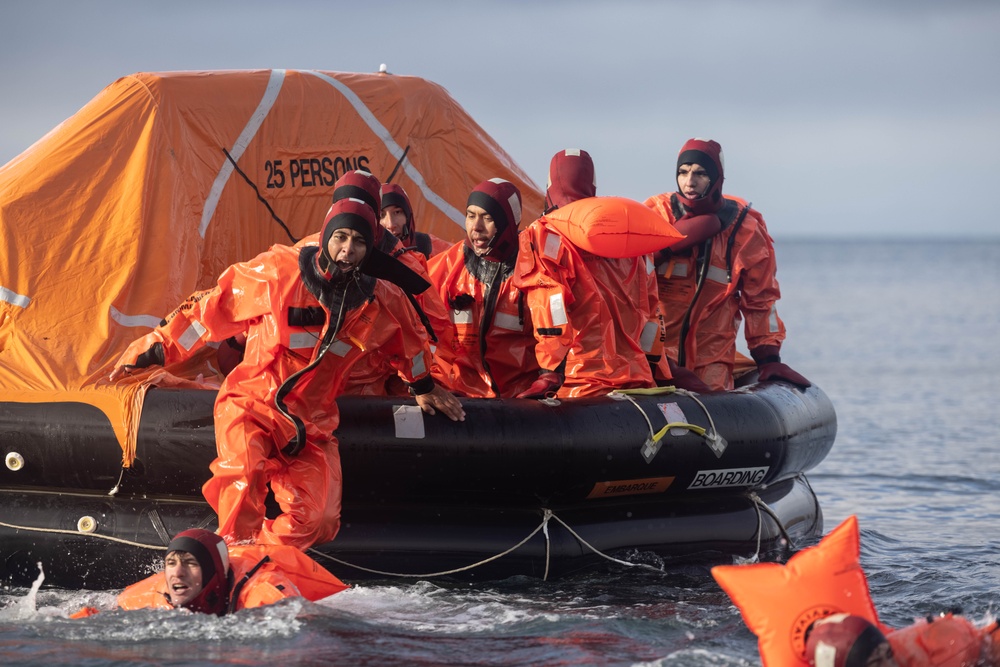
(164, 179)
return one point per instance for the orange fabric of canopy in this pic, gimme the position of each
(164, 179)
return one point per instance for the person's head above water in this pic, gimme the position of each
(843, 640)
(197, 571)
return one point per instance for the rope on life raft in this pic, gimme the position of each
(543, 527)
(547, 515)
(77, 533)
(710, 434)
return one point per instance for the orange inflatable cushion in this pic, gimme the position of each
(613, 227)
(780, 602)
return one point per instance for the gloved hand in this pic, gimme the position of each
(684, 378)
(141, 353)
(548, 382)
(779, 371)
(769, 367)
(230, 353)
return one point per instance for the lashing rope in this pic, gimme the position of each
(654, 437)
(77, 533)
(543, 526)
(547, 515)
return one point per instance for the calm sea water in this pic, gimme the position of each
(903, 336)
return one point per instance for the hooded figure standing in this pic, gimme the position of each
(306, 312)
(492, 354)
(721, 274)
(591, 313)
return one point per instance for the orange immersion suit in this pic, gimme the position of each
(373, 374)
(945, 641)
(702, 303)
(260, 575)
(492, 354)
(593, 314)
(286, 327)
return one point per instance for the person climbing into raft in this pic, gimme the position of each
(492, 354)
(721, 274)
(593, 314)
(307, 313)
(201, 574)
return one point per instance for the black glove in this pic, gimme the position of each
(151, 357)
(548, 383)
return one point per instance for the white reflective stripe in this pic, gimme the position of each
(507, 321)
(456, 216)
(552, 245)
(772, 320)
(718, 275)
(648, 336)
(514, 201)
(242, 141)
(461, 316)
(341, 348)
(303, 340)
(191, 335)
(14, 298)
(650, 267)
(825, 655)
(135, 320)
(557, 310)
(419, 365)
(680, 269)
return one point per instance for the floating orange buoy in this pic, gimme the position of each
(780, 602)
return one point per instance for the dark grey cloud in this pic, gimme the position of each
(837, 118)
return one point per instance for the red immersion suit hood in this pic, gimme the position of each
(707, 154)
(571, 177)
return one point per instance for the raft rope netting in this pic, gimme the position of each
(759, 506)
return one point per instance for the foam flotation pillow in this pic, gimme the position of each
(780, 602)
(613, 227)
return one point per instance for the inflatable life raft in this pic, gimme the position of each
(521, 487)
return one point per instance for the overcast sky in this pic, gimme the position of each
(850, 118)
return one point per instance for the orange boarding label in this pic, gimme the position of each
(630, 487)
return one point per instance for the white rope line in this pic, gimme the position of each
(663, 431)
(694, 397)
(78, 533)
(599, 553)
(638, 407)
(542, 526)
(757, 502)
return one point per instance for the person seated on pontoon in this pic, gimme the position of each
(492, 353)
